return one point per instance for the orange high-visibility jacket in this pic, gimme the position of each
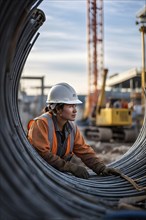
(38, 137)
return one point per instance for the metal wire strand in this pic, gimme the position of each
(30, 188)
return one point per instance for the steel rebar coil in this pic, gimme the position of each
(30, 188)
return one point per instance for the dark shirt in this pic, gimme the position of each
(62, 136)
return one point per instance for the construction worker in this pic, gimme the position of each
(56, 138)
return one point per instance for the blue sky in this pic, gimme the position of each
(60, 52)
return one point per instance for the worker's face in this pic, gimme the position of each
(68, 112)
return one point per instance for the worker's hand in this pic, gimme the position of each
(77, 171)
(110, 171)
(80, 172)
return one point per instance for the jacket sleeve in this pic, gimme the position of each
(38, 137)
(86, 153)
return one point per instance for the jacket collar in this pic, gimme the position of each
(67, 127)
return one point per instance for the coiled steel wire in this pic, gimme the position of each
(30, 188)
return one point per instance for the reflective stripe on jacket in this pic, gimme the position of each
(38, 137)
(52, 134)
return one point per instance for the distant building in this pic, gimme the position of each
(126, 81)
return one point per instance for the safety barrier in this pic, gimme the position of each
(30, 188)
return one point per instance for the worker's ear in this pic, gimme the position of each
(59, 109)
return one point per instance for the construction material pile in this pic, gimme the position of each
(30, 188)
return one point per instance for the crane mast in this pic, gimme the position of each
(95, 52)
(104, 124)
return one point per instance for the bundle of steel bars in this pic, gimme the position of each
(30, 188)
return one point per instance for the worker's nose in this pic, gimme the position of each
(74, 108)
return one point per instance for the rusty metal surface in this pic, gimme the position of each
(30, 188)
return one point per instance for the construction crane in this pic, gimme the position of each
(105, 123)
(95, 52)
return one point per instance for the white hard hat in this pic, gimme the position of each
(62, 93)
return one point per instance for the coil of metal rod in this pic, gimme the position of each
(30, 188)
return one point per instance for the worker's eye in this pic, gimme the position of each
(72, 105)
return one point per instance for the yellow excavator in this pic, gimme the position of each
(99, 122)
(108, 123)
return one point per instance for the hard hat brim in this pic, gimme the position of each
(65, 102)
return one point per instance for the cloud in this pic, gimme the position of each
(60, 52)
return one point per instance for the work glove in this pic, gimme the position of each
(103, 170)
(64, 166)
(110, 171)
(76, 170)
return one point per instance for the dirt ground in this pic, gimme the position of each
(109, 152)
